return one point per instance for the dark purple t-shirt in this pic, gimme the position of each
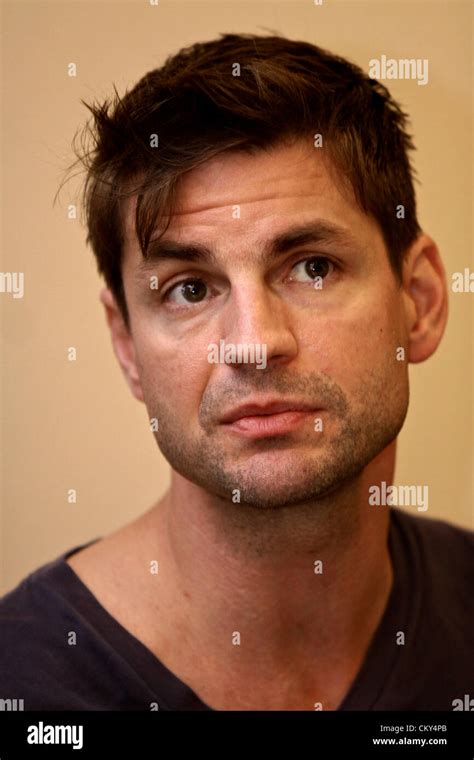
(431, 602)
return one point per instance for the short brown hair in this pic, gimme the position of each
(198, 108)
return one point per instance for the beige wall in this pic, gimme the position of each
(74, 424)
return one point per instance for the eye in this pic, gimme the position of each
(316, 266)
(187, 292)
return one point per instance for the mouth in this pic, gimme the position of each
(265, 420)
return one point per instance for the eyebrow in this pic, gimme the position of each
(162, 249)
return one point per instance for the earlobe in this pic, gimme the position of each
(425, 291)
(122, 342)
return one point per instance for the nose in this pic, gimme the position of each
(258, 318)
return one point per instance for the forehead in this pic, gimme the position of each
(236, 199)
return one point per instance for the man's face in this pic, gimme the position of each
(332, 347)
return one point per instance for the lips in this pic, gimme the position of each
(261, 409)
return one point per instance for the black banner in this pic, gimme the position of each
(301, 734)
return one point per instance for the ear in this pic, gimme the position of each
(122, 341)
(426, 298)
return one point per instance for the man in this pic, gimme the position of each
(251, 207)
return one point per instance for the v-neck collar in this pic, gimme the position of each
(171, 693)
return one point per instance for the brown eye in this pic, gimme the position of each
(316, 266)
(189, 291)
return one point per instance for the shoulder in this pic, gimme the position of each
(434, 574)
(443, 554)
(432, 534)
(29, 603)
(38, 624)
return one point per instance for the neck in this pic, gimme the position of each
(285, 587)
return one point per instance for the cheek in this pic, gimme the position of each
(172, 373)
(360, 340)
